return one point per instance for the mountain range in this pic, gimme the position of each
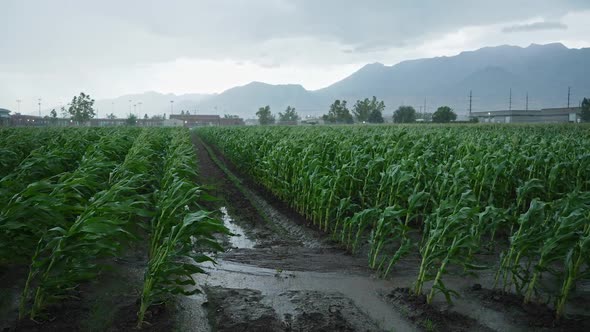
(498, 78)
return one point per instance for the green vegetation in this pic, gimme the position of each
(369, 110)
(404, 114)
(585, 113)
(338, 113)
(174, 228)
(131, 119)
(444, 114)
(79, 196)
(265, 117)
(81, 108)
(446, 193)
(290, 115)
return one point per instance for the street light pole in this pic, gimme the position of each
(39, 107)
(172, 107)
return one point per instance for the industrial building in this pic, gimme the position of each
(22, 120)
(4, 117)
(545, 115)
(195, 120)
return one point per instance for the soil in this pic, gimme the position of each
(245, 310)
(429, 317)
(536, 315)
(109, 303)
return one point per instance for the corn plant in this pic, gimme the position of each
(58, 200)
(67, 252)
(175, 229)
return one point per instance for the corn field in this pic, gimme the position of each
(443, 194)
(74, 199)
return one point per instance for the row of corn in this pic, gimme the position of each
(442, 193)
(76, 202)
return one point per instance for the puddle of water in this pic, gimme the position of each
(239, 239)
(273, 284)
(285, 225)
(194, 316)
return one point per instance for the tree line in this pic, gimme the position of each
(363, 111)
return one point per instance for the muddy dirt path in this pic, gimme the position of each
(282, 275)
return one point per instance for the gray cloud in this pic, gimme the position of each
(537, 26)
(61, 33)
(62, 46)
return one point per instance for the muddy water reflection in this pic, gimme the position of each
(239, 239)
(363, 290)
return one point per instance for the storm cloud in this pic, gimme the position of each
(537, 26)
(59, 47)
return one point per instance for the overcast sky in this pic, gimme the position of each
(53, 49)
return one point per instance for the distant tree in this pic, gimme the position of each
(81, 108)
(158, 117)
(182, 112)
(230, 116)
(338, 113)
(264, 115)
(64, 112)
(52, 116)
(111, 116)
(145, 116)
(585, 113)
(290, 115)
(444, 114)
(376, 116)
(369, 110)
(131, 120)
(404, 114)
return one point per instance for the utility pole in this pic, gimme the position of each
(470, 102)
(510, 101)
(129, 105)
(568, 96)
(18, 101)
(171, 107)
(424, 105)
(40, 106)
(527, 101)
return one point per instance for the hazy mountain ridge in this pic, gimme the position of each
(152, 103)
(544, 71)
